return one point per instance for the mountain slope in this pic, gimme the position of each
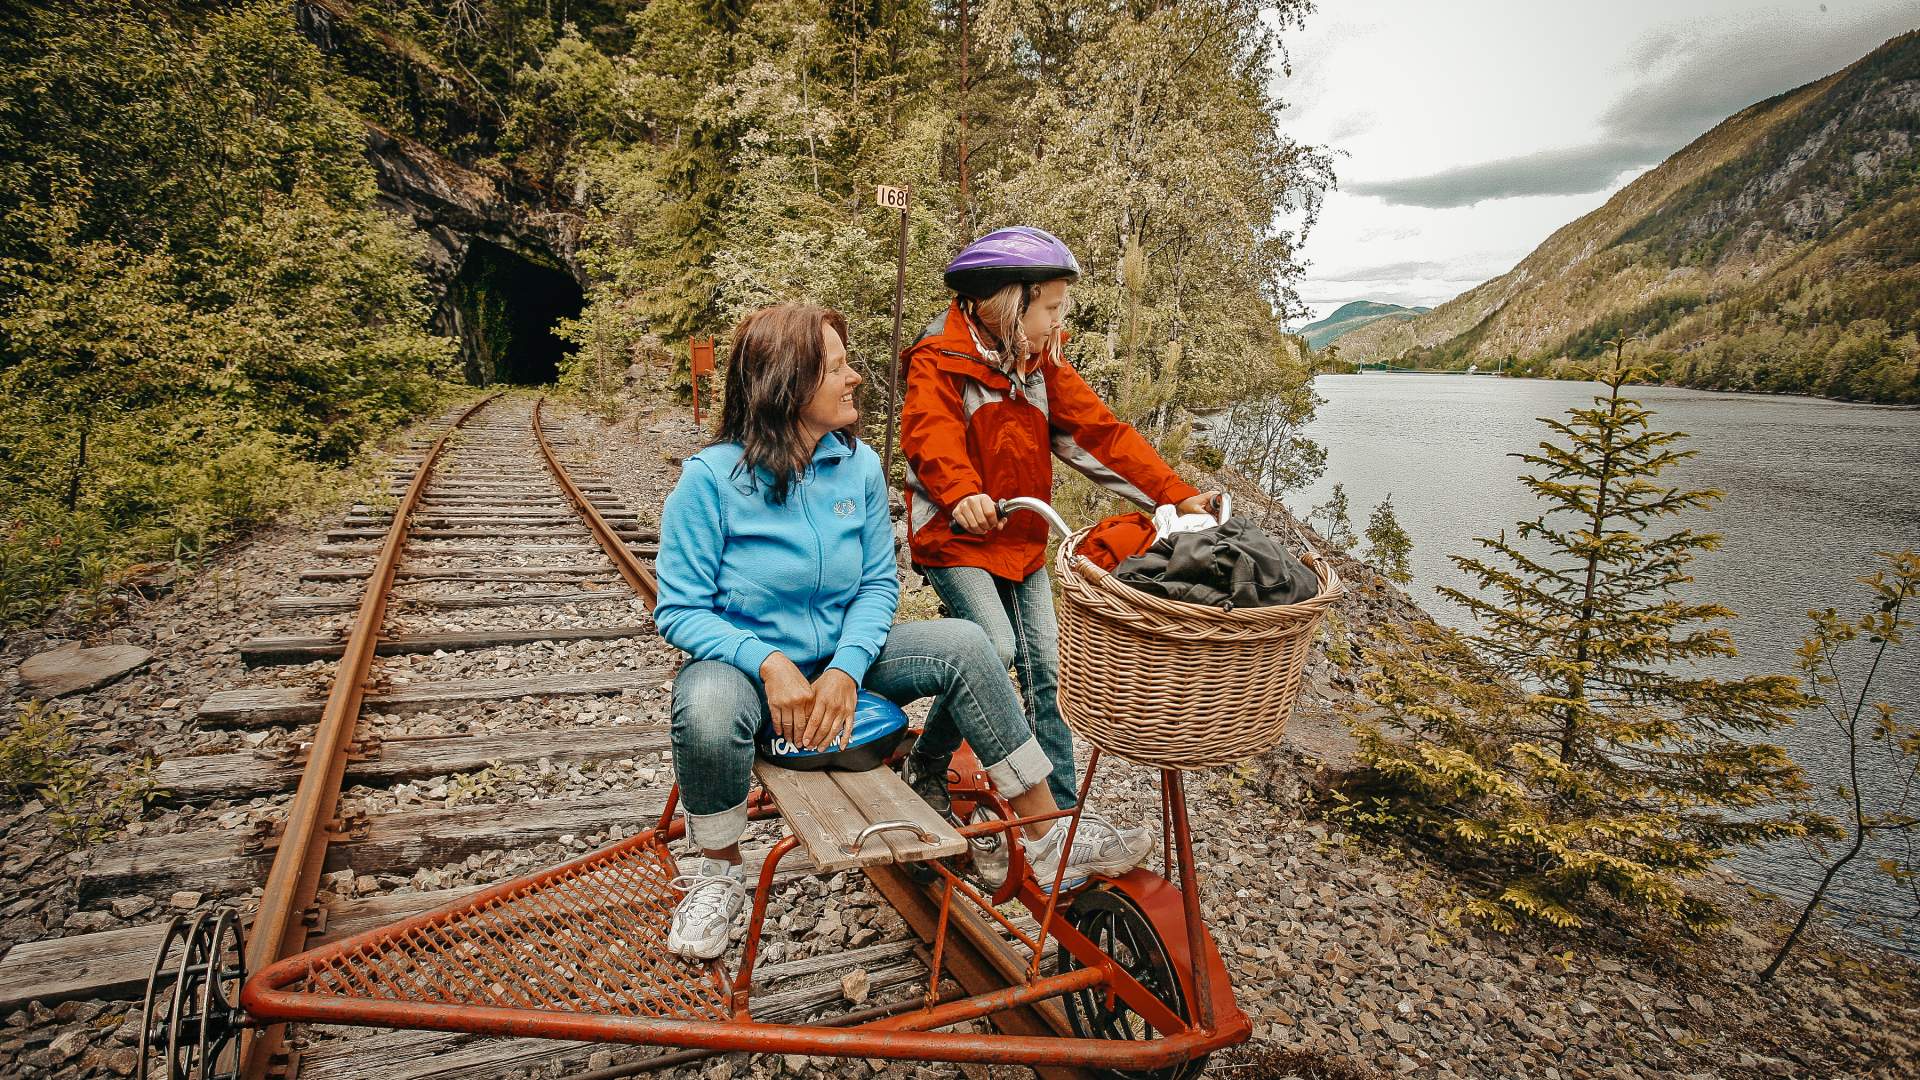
(1780, 251)
(1352, 316)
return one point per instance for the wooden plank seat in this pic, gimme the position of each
(849, 819)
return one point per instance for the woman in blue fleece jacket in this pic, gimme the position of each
(777, 577)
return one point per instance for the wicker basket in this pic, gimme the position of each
(1177, 685)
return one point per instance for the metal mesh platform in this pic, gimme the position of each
(588, 937)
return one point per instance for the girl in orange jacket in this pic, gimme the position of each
(989, 404)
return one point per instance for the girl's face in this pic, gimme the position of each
(831, 407)
(1046, 316)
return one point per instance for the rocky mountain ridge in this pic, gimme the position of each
(1743, 261)
(1352, 316)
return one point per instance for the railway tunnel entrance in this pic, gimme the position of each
(505, 308)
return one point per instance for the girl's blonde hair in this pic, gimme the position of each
(999, 315)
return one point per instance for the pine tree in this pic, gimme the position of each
(1388, 546)
(1568, 742)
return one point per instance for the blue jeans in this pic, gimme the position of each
(1018, 618)
(718, 709)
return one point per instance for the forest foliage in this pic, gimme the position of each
(204, 312)
(200, 309)
(728, 159)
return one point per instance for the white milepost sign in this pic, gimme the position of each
(892, 198)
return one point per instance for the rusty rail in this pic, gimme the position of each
(280, 925)
(631, 568)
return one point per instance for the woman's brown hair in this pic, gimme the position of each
(774, 367)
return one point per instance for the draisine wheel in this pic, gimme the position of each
(1111, 921)
(191, 1019)
(157, 1005)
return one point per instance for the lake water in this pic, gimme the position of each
(1813, 489)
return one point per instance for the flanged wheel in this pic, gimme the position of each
(1111, 921)
(191, 1018)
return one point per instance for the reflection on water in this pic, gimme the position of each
(1812, 489)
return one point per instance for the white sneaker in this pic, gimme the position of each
(1099, 847)
(715, 894)
(1112, 850)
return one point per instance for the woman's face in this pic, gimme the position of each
(831, 407)
(1046, 315)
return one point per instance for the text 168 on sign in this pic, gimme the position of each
(892, 198)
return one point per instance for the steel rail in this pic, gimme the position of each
(280, 925)
(631, 568)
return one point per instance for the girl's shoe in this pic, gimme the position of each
(715, 894)
(1099, 847)
(928, 779)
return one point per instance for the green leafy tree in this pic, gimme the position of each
(1263, 436)
(1569, 744)
(1882, 802)
(199, 302)
(1150, 140)
(1389, 548)
(1336, 518)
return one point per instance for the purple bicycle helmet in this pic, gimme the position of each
(1017, 255)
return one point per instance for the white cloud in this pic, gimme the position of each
(1471, 130)
(1685, 82)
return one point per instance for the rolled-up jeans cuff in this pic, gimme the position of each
(714, 832)
(1026, 766)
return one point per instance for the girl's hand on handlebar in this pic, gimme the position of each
(830, 721)
(789, 697)
(1207, 502)
(977, 514)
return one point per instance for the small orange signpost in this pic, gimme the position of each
(699, 365)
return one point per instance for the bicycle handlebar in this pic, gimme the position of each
(1059, 524)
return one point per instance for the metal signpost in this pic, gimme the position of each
(895, 198)
(700, 365)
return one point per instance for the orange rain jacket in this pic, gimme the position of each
(968, 427)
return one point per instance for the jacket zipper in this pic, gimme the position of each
(819, 554)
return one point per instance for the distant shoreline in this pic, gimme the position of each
(1672, 385)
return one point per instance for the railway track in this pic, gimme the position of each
(471, 687)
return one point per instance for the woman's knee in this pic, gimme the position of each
(996, 644)
(970, 645)
(714, 700)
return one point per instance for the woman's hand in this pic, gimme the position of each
(1207, 502)
(830, 721)
(789, 697)
(977, 514)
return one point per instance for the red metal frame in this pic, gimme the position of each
(273, 995)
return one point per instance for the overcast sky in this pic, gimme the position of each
(1466, 131)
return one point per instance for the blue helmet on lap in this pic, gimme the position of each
(878, 726)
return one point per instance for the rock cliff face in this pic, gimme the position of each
(1814, 193)
(469, 214)
(455, 205)
(476, 223)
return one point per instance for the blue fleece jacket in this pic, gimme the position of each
(814, 578)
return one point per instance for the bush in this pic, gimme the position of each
(41, 758)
